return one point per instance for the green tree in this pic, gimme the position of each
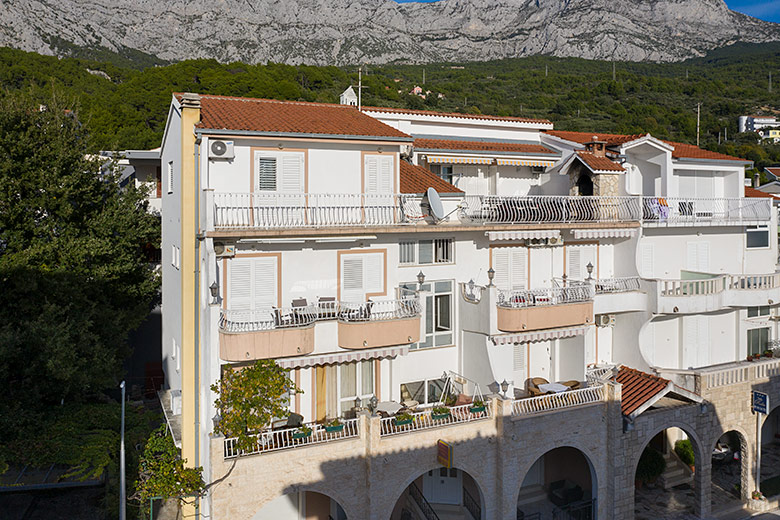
(249, 397)
(74, 275)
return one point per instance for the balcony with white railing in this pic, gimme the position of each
(246, 335)
(426, 419)
(684, 211)
(559, 401)
(528, 310)
(717, 292)
(379, 323)
(534, 209)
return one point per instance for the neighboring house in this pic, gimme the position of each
(306, 233)
(757, 123)
(348, 97)
(143, 168)
(773, 173)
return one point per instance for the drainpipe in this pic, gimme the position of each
(198, 238)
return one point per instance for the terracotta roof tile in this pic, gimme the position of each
(773, 171)
(416, 179)
(638, 388)
(752, 192)
(599, 163)
(456, 114)
(289, 117)
(480, 146)
(681, 150)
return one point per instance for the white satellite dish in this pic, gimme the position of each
(434, 204)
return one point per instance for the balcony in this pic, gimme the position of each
(667, 211)
(273, 333)
(559, 401)
(550, 208)
(718, 292)
(379, 323)
(522, 311)
(618, 295)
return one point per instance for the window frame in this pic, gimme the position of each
(431, 310)
(436, 245)
(756, 230)
(350, 400)
(758, 330)
(760, 311)
(426, 387)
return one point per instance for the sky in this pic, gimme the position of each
(768, 10)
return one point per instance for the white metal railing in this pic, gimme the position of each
(541, 297)
(285, 439)
(379, 310)
(268, 210)
(545, 403)
(235, 321)
(267, 319)
(551, 208)
(597, 375)
(692, 287)
(424, 420)
(616, 285)
(684, 210)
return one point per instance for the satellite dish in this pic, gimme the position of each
(434, 204)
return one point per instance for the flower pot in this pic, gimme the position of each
(477, 409)
(402, 422)
(337, 428)
(301, 435)
(439, 416)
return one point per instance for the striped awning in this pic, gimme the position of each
(449, 159)
(523, 235)
(539, 335)
(604, 233)
(343, 357)
(524, 162)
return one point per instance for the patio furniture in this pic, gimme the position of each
(533, 385)
(388, 407)
(564, 492)
(572, 384)
(553, 388)
(300, 302)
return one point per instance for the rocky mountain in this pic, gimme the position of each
(344, 32)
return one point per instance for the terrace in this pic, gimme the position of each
(716, 292)
(520, 311)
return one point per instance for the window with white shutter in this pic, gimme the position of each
(574, 272)
(265, 174)
(698, 256)
(647, 261)
(279, 171)
(379, 172)
(578, 256)
(361, 274)
(170, 177)
(518, 357)
(252, 283)
(511, 267)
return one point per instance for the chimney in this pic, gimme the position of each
(596, 147)
(190, 100)
(756, 180)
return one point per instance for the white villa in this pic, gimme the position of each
(571, 297)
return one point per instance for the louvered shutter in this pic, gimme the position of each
(703, 256)
(501, 267)
(264, 271)
(240, 286)
(290, 178)
(647, 261)
(371, 167)
(574, 260)
(518, 357)
(352, 278)
(691, 256)
(518, 257)
(373, 273)
(386, 174)
(265, 173)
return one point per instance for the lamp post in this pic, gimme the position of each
(504, 387)
(420, 280)
(491, 274)
(358, 402)
(589, 267)
(214, 288)
(122, 490)
(372, 403)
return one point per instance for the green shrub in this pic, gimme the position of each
(651, 465)
(684, 450)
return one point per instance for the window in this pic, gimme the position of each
(757, 237)
(698, 256)
(424, 392)
(252, 283)
(362, 274)
(175, 257)
(355, 380)
(422, 252)
(279, 171)
(757, 340)
(266, 174)
(754, 312)
(379, 173)
(170, 177)
(443, 170)
(511, 267)
(438, 313)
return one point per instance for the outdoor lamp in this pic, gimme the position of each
(357, 403)
(491, 275)
(216, 419)
(373, 402)
(589, 267)
(504, 387)
(214, 288)
(471, 286)
(421, 278)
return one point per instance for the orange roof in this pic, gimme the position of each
(752, 192)
(456, 114)
(773, 171)
(416, 179)
(681, 150)
(480, 146)
(597, 163)
(638, 388)
(289, 117)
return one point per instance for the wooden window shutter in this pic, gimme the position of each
(501, 267)
(371, 166)
(291, 174)
(386, 174)
(574, 260)
(158, 179)
(240, 285)
(264, 283)
(374, 273)
(519, 268)
(352, 278)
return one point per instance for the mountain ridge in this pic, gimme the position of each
(347, 32)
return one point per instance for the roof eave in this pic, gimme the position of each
(724, 162)
(486, 152)
(302, 135)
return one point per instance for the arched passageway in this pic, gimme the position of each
(560, 484)
(304, 505)
(664, 476)
(730, 471)
(448, 492)
(770, 454)
(585, 185)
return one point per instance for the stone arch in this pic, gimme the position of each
(585, 184)
(589, 455)
(745, 458)
(689, 431)
(349, 508)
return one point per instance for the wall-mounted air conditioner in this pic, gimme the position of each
(219, 149)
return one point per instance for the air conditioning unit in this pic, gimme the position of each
(536, 242)
(605, 320)
(223, 250)
(555, 241)
(221, 149)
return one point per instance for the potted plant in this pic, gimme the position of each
(302, 432)
(684, 450)
(450, 400)
(651, 466)
(477, 406)
(767, 353)
(403, 418)
(440, 412)
(334, 426)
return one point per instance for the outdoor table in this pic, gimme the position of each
(553, 387)
(389, 407)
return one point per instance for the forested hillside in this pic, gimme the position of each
(126, 108)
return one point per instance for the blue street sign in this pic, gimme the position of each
(760, 402)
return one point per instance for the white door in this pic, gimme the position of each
(443, 486)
